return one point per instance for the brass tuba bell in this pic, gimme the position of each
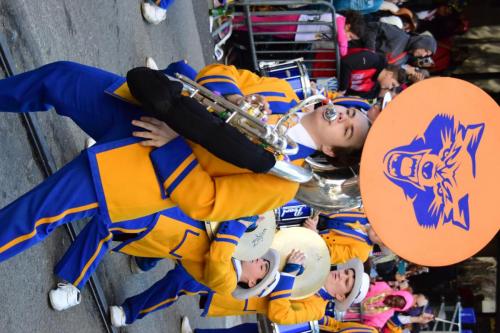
(330, 189)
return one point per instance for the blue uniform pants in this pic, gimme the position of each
(166, 3)
(65, 196)
(162, 294)
(75, 91)
(181, 67)
(92, 243)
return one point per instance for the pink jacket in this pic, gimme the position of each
(374, 312)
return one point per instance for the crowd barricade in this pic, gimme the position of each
(280, 31)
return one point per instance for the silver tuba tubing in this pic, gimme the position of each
(251, 122)
(239, 116)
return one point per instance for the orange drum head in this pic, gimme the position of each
(430, 172)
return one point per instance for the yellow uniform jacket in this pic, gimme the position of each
(279, 309)
(180, 238)
(133, 181)
(228, 80)
(277, 306)
(346, 237)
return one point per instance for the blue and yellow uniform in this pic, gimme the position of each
(393, 325)
(203, 268)
(278, 308)
(346, 237)
(119, 179)
(167, 234)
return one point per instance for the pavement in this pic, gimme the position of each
(111, 35)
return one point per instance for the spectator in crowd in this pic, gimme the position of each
(382, 302)
(367, 74)
(396, 45)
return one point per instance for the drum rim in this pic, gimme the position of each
(298, 63)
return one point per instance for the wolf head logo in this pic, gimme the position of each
(436, 169)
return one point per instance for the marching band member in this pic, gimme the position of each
(344, 286)
(209, 268)
(122, 179)
(168, 234)
(348, 235)
(256, 277)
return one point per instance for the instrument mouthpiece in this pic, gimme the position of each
(330, 113)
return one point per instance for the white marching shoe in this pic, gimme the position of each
(151, 63)
(64, 296)
(186, 326)
(117, 316)
(153, 13)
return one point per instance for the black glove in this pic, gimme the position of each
(161, 98)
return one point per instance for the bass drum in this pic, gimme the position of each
(292, 214)
(292, 71)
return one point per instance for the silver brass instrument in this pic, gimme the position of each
(331, 189)
(323, 187)
(250, 120)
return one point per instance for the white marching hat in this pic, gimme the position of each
(267, 284)
(360, 287)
